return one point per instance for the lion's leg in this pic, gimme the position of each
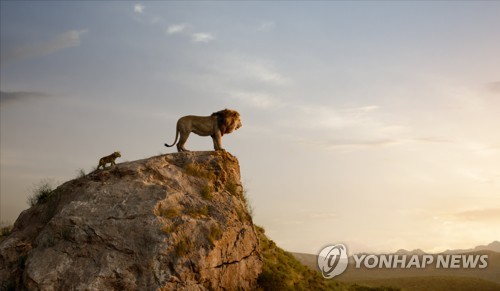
(182, 141)
(214, 139)
(217, 141)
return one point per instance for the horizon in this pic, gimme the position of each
(373, 124)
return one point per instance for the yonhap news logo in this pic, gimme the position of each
(333, 260)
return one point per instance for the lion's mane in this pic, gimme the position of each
(227, 120)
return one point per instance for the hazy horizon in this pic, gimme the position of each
(374, 124)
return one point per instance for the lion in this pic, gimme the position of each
(108, 160)
(216, 125)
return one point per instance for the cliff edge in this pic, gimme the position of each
(175, 221)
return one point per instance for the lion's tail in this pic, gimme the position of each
(176, 138)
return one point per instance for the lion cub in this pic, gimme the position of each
(108, 160)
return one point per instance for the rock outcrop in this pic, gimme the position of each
(171, 222)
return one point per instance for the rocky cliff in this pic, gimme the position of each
(176, 221)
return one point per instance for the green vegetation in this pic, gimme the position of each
(430, 283)
(236, 189)
(249, 206)
(41, 193)
(430, 278)
(281, 271)
(5, 231)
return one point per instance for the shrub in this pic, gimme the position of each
(169, 228)
(80, 173)
(233, 188)
(248, 205)
(214, 234)
(206, 192)
(183, 247)
(41, 193)
(5, 231)
(197, 212)
(169, 212)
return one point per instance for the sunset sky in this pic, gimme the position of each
(374, 124)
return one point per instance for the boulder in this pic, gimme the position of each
(171, 222)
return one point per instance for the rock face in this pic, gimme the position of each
(171, 222)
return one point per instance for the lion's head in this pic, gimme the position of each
(228, 120)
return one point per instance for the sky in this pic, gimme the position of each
(375, 124)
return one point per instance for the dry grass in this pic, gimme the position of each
(233, 188)
(214, 234)
(197, 212)
(167, 229)
(183, 247)
(206, 192)
(168, 212)
(197, 170)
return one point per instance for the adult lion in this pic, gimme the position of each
(215, 125)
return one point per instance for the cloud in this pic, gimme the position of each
(265, 73)
(176, 28)
(476, 175)
(487, 214)
(244, 69)
(185, 29)
(359, 144)
(433, 140)
(322, 215)
(363, 109)
(144, 16)
(62, 41)
(202, 37)
(327, 117)
(383, 142)
(256, 99)
(139, 8)
(343, 129)
(8, 97)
